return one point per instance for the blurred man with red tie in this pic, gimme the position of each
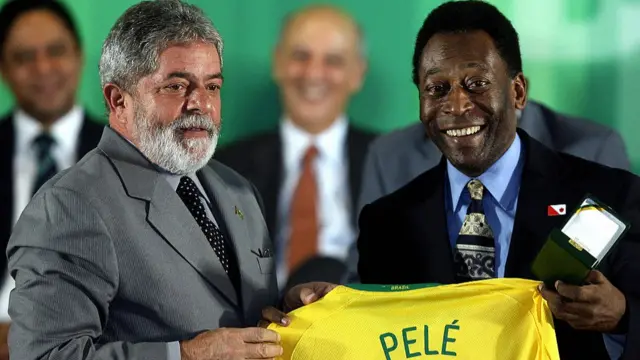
(309, 170)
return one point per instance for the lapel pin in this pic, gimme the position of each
(239, 213)
(557, 210)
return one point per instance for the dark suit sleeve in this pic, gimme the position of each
(613, 152)
(624, 269)
(371, 189)
(632, 348)
(66, 274)
(368, 262)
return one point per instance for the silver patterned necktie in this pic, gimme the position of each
(474, 253)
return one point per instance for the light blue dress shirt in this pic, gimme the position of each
(502, 183)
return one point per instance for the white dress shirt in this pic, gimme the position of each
(65, 132)
(331, 166)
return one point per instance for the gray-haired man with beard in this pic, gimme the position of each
(145, 249)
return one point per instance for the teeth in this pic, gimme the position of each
(314, 93)
(463, 132)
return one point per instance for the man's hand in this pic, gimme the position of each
(297, 296)
(232, 344)
(597, 306)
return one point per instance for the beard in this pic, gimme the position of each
(166, 146)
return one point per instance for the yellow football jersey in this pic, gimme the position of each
(481, 320)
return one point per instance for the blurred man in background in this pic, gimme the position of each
(309, 170)
(41, 62)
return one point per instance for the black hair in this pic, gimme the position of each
(13, 9)
(467, 16)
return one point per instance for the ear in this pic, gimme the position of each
(81, 57)
(358, 75)
(276, 63)
(519, 91)
(117, 102)
(3, 72)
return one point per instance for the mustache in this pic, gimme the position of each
(195, 121)
(450, 121)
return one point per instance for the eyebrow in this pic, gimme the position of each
(55, 43)
(469, 65)
(186, 75)
(476, 65)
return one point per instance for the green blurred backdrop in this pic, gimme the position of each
(581, 56)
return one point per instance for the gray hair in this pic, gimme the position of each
(145, 30)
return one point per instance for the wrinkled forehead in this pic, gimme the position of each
(197, 61)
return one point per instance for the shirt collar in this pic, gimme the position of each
(174, 180)
(65, 131)
(329, 142)
(496, 179)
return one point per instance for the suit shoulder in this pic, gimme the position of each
(87, 176)
(230, 153)
(413, 192)
(598, 176)
(570, 125)
(228, 175)
(362, 135)
(398, 139)
(256, 141)
(586, 127)
(577, 165)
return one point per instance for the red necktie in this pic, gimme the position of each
(303, 242)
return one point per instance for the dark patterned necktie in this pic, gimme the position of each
(47, 167)
(190, 195)
(474, 254)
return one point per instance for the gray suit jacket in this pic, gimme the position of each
(110, 264)
(397, 158)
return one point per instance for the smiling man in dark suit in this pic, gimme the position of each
(468, 70)
(309, 170)
(41, 62)
(398, 157)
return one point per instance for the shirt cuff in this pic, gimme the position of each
(173, 350)
(615, 345)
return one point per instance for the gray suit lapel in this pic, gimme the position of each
(166, 212)
(172, 219)
(230, 207)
